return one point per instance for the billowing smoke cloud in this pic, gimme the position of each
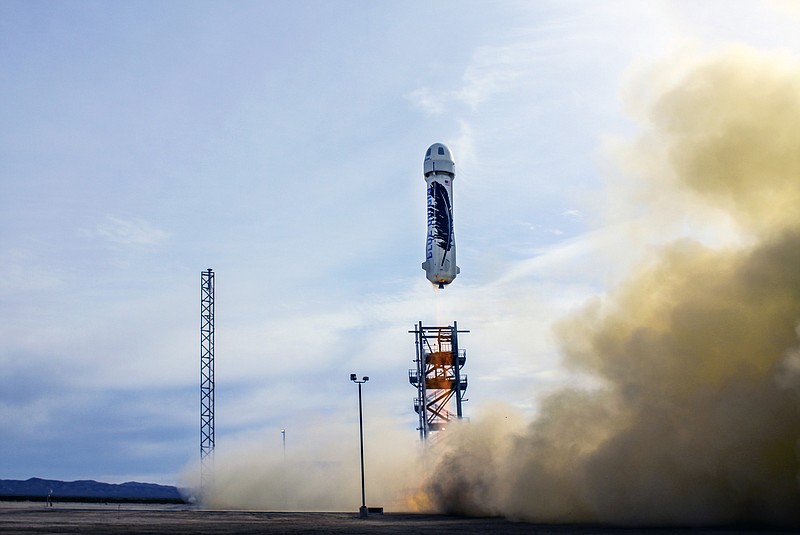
(697, 419)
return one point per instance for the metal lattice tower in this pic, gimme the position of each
(438, 377)
(206, 379)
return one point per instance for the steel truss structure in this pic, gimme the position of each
(206, 380)
(437, 377)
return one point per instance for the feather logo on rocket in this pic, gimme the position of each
(440, 247)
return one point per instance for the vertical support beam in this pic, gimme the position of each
(206, 380)
(421, 403)
(456, 368)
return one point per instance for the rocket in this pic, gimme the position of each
(440, 246)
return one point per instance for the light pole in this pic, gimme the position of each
(283, 438)
(362, 512)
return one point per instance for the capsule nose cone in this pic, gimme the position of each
(439, 159)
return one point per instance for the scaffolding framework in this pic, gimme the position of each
(437, 377)
(206, 380)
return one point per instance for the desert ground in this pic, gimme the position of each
(36, 518)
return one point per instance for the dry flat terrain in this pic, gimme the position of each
(35, 518)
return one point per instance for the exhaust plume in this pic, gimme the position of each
(697, 419)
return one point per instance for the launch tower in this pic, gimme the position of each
(437, 377)
(206, 380)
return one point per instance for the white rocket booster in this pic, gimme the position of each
(440, 247)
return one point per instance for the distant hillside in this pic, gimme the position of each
(36, 488)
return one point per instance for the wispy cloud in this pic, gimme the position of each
(430, 102)
(494, 69)
(491, 71)
(135, 231)
(25, 271)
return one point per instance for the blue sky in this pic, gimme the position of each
(281, 144)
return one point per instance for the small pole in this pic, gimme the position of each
(284, 470)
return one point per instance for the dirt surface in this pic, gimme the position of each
(35, 518)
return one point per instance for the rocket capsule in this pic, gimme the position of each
(440, 248)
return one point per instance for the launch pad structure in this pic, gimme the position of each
(206, 380)
(437, 377)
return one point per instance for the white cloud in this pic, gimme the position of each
(26, 271)
(134, 231)
(427, 101)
